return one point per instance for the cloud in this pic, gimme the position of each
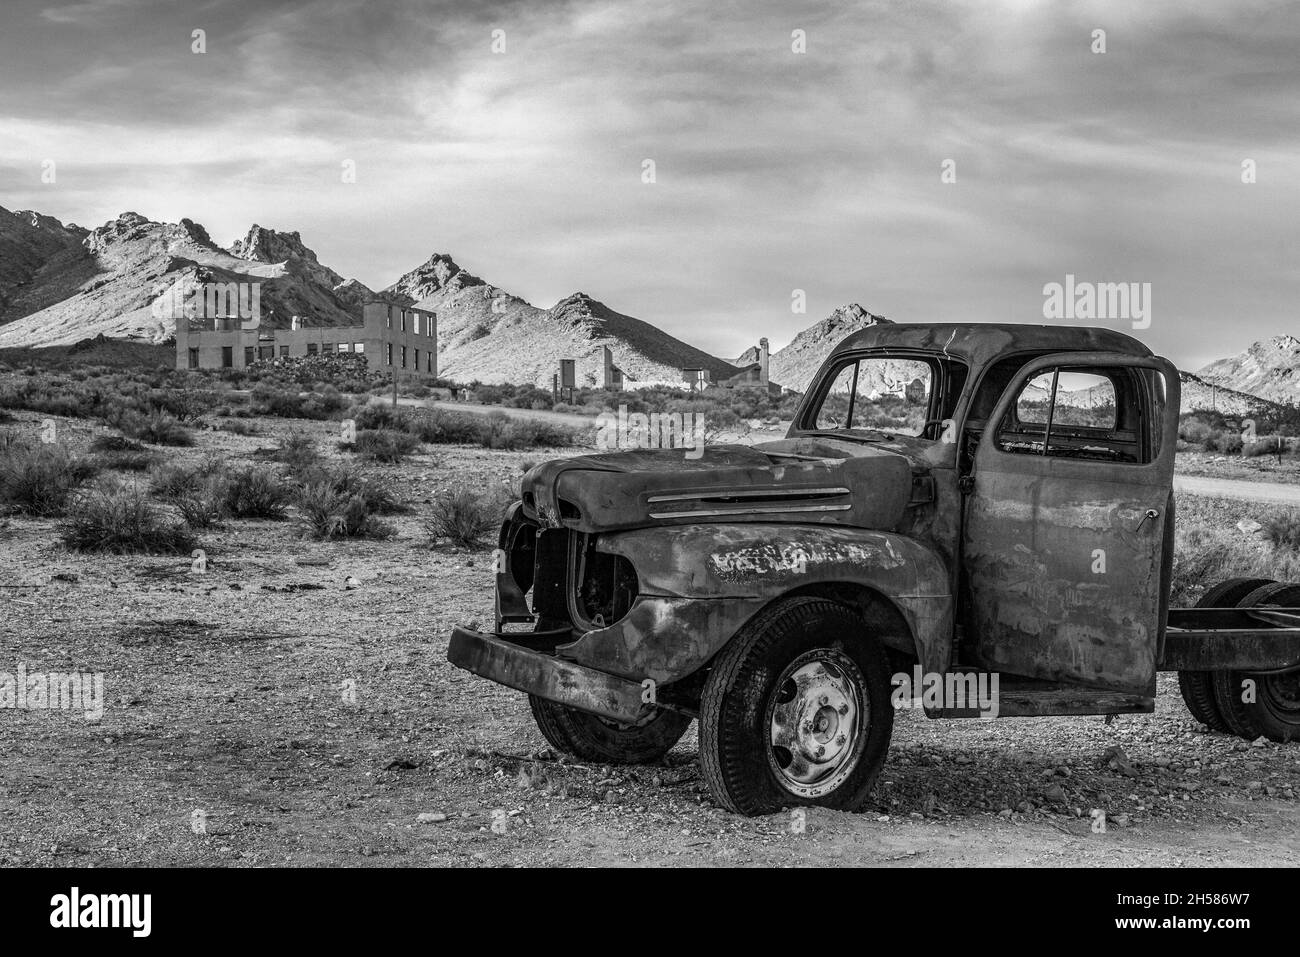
(774, 170)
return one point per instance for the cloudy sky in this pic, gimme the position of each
(774, 170)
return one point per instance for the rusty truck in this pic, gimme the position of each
(952, 501)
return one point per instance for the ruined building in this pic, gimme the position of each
(392, 337)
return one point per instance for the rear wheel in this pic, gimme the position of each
(593, 738)
(796, 710)
(1255, 704)
(1198, 686)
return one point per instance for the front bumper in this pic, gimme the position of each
(549, 677)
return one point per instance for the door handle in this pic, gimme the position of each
(1149, 514)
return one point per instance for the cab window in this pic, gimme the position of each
(1078, 413)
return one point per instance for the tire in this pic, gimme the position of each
(776, 679)
(1198, 686)
(593, 738)
(1275, 712)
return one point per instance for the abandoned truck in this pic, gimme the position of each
(956, 501)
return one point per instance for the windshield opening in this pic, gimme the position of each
(879, 394)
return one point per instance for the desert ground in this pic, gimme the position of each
(296, 695)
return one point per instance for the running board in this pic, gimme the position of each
(1066, 700)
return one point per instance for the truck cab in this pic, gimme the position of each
(955, 509)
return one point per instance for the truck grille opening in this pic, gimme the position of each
(607, 585)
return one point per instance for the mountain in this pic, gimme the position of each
(1201, 395)
(35, 252)
(796, 364)
(1269, 369)
(107, 283)
(61, 283)
(489, 335)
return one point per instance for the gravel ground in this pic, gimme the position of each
(308, 722)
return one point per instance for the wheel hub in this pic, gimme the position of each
(1284, 689)
(815, 722)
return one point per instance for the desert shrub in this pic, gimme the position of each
(385, 445)
(183, 404)
(298, 452)
(1284, 530)
(173, 480)
(499, 431)
(292, 404)
(465, 516)
(380, 416)
(1221, 440)
(40, 479)
(115, 443)
(1205, 554)
(1267, 445)
(206, 501)
(239, 427)
(330, 509)
(379, 493)
(258, 492)
(121, 454)
(123, 521)
(495, 430)
(436, 426)
(127, 461)
(157, 427)
(1194, 432)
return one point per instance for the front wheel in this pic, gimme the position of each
(796, 710)
(593, 738)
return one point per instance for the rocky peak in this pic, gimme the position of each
(439, 274)
(850, 316)
(264, 245)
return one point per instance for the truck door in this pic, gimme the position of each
(1065, 564)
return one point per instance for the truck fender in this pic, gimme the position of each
(746, 566)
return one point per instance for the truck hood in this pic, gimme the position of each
(800, 480)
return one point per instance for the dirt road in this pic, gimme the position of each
(1271, 492)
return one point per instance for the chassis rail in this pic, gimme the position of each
(1232, 639)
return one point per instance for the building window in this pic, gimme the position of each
(416, 367)
(428, 363)
(227, 357)
(390, 317)
(194, 358)
(358, 347)
(327, 348)
(403, 357)
(388, 349)
(284, 352)
(250, 356)
(312, 348)
(345, 347)
(403, 320)
(428, 327)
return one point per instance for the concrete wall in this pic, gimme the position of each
(383, 326)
